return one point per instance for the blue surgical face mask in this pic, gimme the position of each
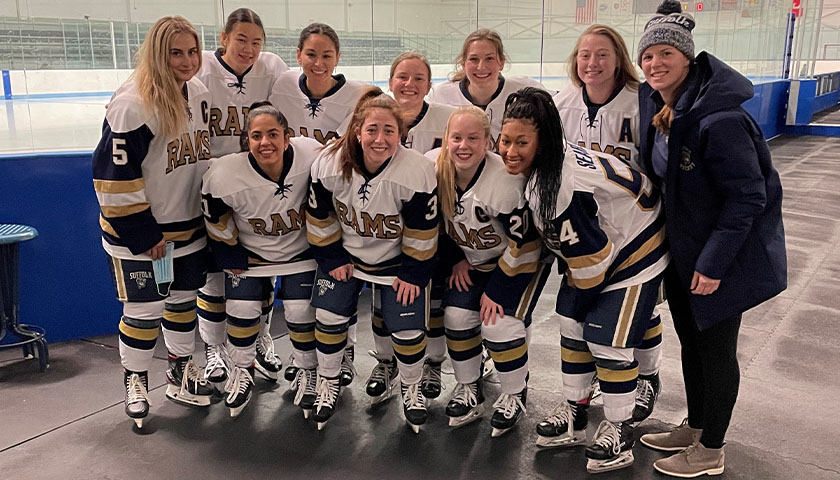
(162, 268)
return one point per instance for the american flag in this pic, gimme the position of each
(584, 11)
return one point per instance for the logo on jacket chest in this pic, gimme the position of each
(686, 164)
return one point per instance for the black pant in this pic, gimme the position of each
(709, 365)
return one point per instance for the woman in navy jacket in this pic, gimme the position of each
(722, 201)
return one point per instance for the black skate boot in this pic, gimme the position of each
(327, 392)
(136, 396)
(239, 389)
(216, 369)
(647, 391)
(305, 396)
(414, 405)
(612, 447)
(187, 385)
(466, 404)
(383, 381)
(268, 364)
(430, 383)
(565, 426)
(508, 410)
(348, 370)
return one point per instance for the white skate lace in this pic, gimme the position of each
(136, 391)
(413, 398)
(192, 374)
(238, 384)
(265, 347)
(381, 372)
(216, 355)
(347, 364)
(608, 436)
(431, 375)
(305, 381)
(327, 392)
(644, 393)
(508, 404)
(564, 412)
(465, 394)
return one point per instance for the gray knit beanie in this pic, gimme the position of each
(670, 26)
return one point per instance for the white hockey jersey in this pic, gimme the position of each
(232, 94)
(493, 229)
(255, 222)
(456, 94)
(613, 130)
(322, 119)
(426, 131)
(384, 222)
(608, 228)
(148, 185)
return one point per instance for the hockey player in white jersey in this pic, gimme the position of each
(478, 79)
(147, 172)
(237, 75)
(410, 82)
(318, 104)
(601, 219)
(600, 111)
(492, 252)
(373, 216)
(254, 210)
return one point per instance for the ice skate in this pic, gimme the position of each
(290, 373)
(187, 385)
(216, 369)
(306, 380)
(430, 382)
(596, 392)
(509, 408)
(268, 364)
(647, 391)
(612, 447)
(348, 370)
(383, 380)
(239, 389)
(487, 365)
(136, 396)
(327, 391)
(414, 405)
(466, 404)
(564, 427)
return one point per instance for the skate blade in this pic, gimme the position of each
(600, 466)
(321, 425)
(138, 422)
(473, 415)
(307, 412)
(561, 441)
(235, 411)
(489, 368)
(415, 428)
(498, 432)
(175, 394)
(374, 401)
(269, 375)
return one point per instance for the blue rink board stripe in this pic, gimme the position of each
(7, 85)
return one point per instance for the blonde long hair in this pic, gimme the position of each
(625, 74)
(445, 169)
(158, 88)
(491, 36)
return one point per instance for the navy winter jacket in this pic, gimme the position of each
(723, 198)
